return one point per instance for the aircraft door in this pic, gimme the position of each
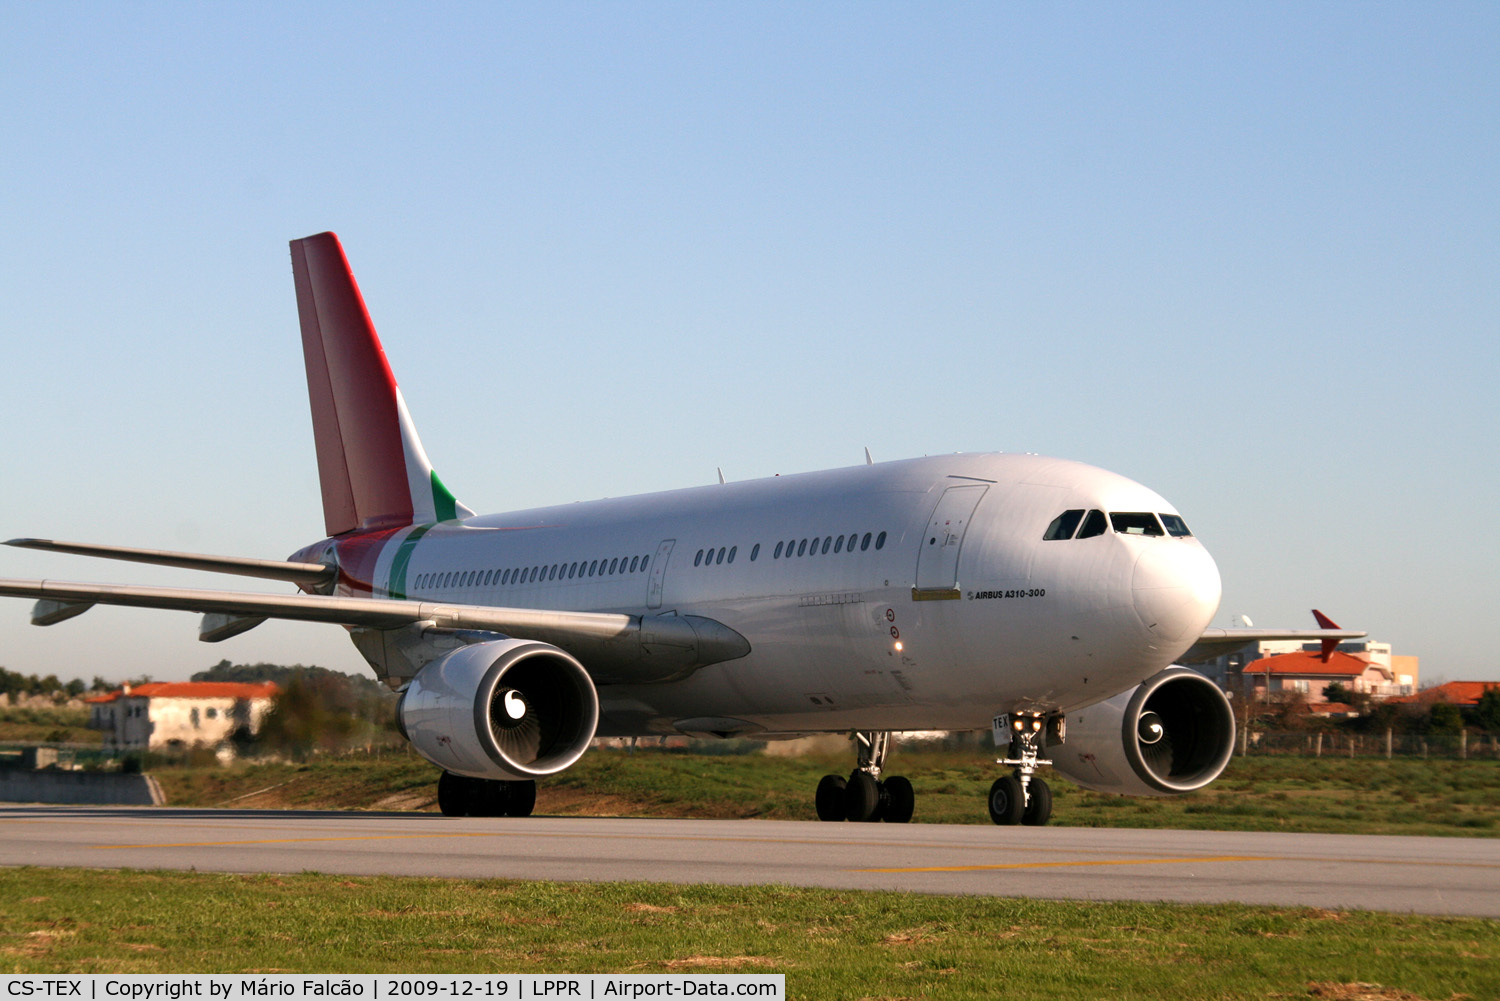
(659, 573)
(937, 562)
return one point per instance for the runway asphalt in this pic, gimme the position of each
(1457, 876)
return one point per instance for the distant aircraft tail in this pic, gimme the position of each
(371, 464)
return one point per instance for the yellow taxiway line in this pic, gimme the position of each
(1055, 865)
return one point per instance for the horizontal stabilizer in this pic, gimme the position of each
(314, 575)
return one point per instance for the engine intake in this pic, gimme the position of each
(506, 709)
(1171, 734)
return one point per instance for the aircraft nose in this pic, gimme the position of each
(1176, 589)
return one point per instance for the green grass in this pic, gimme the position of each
(830, 943)
(49, 724)
(1331, 795)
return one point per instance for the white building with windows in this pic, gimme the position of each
(166, 715)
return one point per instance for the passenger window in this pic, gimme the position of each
(880, 541)
(1176, 527)
(865, 542)
(1135, 523)
(644, 561)
(777, 554)
(802, 548)
(612, 564)
(754, 552)
(1063, 526)
(634, 561)
(722, 550)
(838, 545)
(732, 551)
(594, 567)
(698, 560)
(1093, 525)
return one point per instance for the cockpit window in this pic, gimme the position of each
(1064, 525)
(1093, 525)
(1135, 523)
(1176, 527)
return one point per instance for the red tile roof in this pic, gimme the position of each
(194, 690)
(1340, 665)
(1460, 693)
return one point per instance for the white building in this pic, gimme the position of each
(179, 714)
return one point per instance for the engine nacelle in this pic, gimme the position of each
(1172, 733)
(506, 709)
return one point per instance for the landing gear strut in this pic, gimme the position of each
(1021, 797)
(461, 796)
(864, 796)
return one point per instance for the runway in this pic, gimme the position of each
(1457, 876)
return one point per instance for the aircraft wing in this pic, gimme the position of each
(615, 647)
(1217, 642)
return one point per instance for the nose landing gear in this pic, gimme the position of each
(864, 797)
(1021, 797)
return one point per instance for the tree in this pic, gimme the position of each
(1487, 713)
(1336, 692)
(1444, 717)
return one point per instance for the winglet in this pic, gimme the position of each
(1329, 645)
(373, 470)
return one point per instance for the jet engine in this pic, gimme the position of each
(1172, 733)
(503, 709)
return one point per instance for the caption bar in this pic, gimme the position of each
(392, 987)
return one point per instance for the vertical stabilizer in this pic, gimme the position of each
(371, 464)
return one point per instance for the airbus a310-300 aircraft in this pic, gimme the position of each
(1044, 598)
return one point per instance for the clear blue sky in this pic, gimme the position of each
(1248, 254)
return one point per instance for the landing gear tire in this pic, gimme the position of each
(461, 796)
(897, 800)
(862, 798)
(455, 795)
(521, 799)
(1007, 802)
(1038, 803)
(830, 798)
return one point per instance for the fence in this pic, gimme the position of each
(1465, 745)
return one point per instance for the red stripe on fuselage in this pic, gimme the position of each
(358, 556)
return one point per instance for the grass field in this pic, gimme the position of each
(1335, 795)
(830, 944)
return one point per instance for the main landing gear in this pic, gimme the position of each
(461, 796)
(1021, 797)
(864, 796)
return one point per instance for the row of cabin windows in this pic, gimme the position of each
(794, 547)
(533, 575)
(1124, 522)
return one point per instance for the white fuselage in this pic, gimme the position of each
(919, 594)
